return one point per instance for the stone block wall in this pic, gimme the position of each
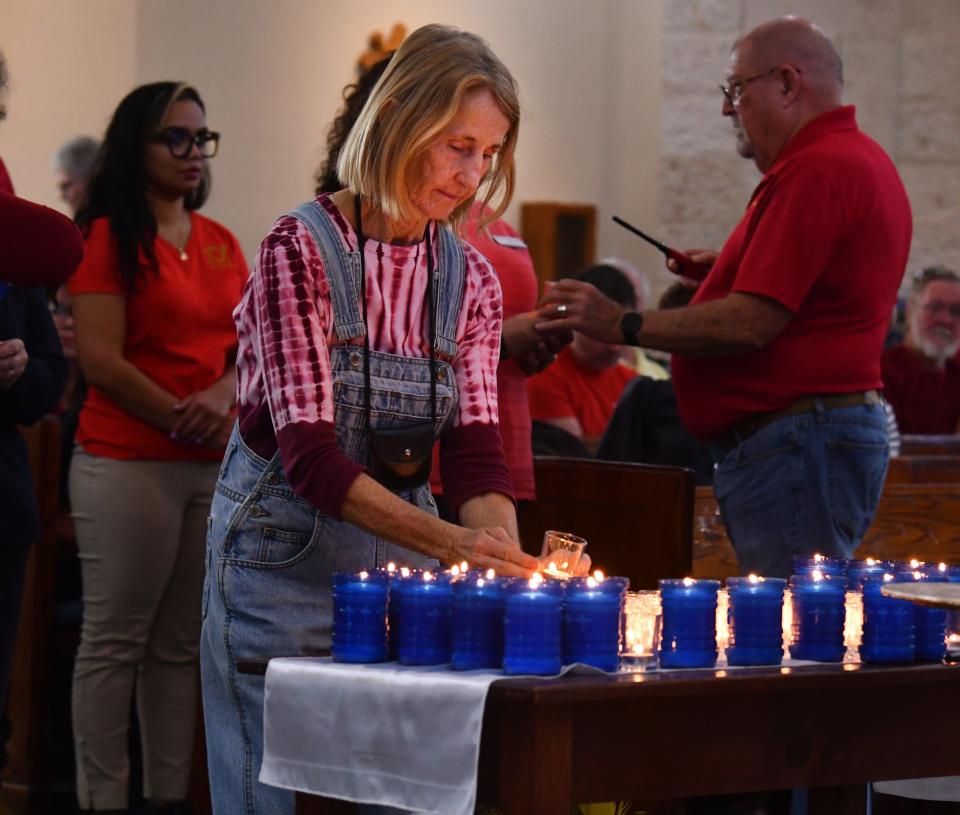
(902, 71)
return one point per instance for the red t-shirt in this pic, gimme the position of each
(510, 259)
(925, 398)
(566, 389)
(180, 332)
(826, 234)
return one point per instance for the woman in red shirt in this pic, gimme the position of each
(152, 304)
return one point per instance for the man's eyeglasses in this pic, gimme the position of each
(180, 141)
(937, 307)
(735, 89)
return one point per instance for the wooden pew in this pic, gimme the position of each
(924, 469)
(637, 518)
(924, 445)
(913, 520)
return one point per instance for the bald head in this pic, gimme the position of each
(798, 42)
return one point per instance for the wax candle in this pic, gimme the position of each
(532, 626)
(641, 628)
(592, 614)
(359, 617)
(755, 620)
(807, 564)
(424, 619)
(888, 624)
(930, 623)
(478, 608)
(858, 569)
(818, 602)
(689, 629)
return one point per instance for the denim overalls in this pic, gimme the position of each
(271, 555)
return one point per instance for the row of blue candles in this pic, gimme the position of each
(477, 620)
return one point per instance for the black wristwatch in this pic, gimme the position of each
(630, 325)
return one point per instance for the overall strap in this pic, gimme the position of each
(341, 267)
(451, 274)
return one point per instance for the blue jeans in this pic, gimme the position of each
(803, 484)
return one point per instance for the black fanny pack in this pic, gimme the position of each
(401, 457)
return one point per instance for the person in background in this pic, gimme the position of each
(776, 362)
(32, 374)
(73, 165)
(523, 351)
(580, 391)
(333, 376)
(157, 345)
(921, 376)
(638, 358)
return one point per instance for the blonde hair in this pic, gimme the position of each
(416, 98)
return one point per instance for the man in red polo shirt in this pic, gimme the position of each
(777, 359)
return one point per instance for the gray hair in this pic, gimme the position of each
(77, 157)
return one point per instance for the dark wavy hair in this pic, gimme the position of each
(117, 189)
(354, 98)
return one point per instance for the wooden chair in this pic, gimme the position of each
(638, 518)
(27, 774)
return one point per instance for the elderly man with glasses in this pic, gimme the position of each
(921, 376)
(777, 359)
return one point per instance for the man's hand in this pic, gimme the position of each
(530, 349)
(493, 548)
(571, 305)
(13, 362)
(704, 257)
(204, 414)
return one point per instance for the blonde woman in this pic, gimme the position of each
(366, 321)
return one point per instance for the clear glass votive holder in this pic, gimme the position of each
(641, 630)
(561, 553)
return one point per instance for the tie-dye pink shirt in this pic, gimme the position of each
(285, 383)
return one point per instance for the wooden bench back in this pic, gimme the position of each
(924, 469)
(913, 521)
(637, 518)
(917, 445)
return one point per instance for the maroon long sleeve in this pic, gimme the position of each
(38, 245)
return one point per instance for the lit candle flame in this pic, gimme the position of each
(591, 583)
(464, 566)
(887, 577)
(364, 575)
(918, 575)
(480, 582)
(404, 571)
(455, 570)
(598, 576)
(565, 566)
(688, 581)
(871, 562)
(914, 563)
(753, 578)
(391, 567)
(536, 580)
(427, 577)
(817, 575)
(490, 574)
(941, 567)
(818, 558)
(552, 567)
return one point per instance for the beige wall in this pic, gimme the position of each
(271, 75)
(900, 63)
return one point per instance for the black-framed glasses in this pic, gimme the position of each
(735, 89)
(180, 141)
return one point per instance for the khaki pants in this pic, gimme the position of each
(141, 527)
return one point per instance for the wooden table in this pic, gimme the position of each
(549, 743)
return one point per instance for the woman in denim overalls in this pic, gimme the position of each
(365, 317)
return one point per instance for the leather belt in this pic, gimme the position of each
(827, 401)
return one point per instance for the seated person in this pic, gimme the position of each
(580, 390)
(921, 376)
(645, 427)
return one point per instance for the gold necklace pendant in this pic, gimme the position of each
(183, 254)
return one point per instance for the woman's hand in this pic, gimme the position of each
(13, 362)
(493, 548)
(530, 349)
(204, 414)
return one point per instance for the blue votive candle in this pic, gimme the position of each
(424, 619)
(930, 623)
(689, 625)
(359, 617)
(888, 624)
(393, 605)
(755, 620)
(857, 570)
(478, 606)
(592, 615)
(819, 613)
(807, 564)
(532, 627)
